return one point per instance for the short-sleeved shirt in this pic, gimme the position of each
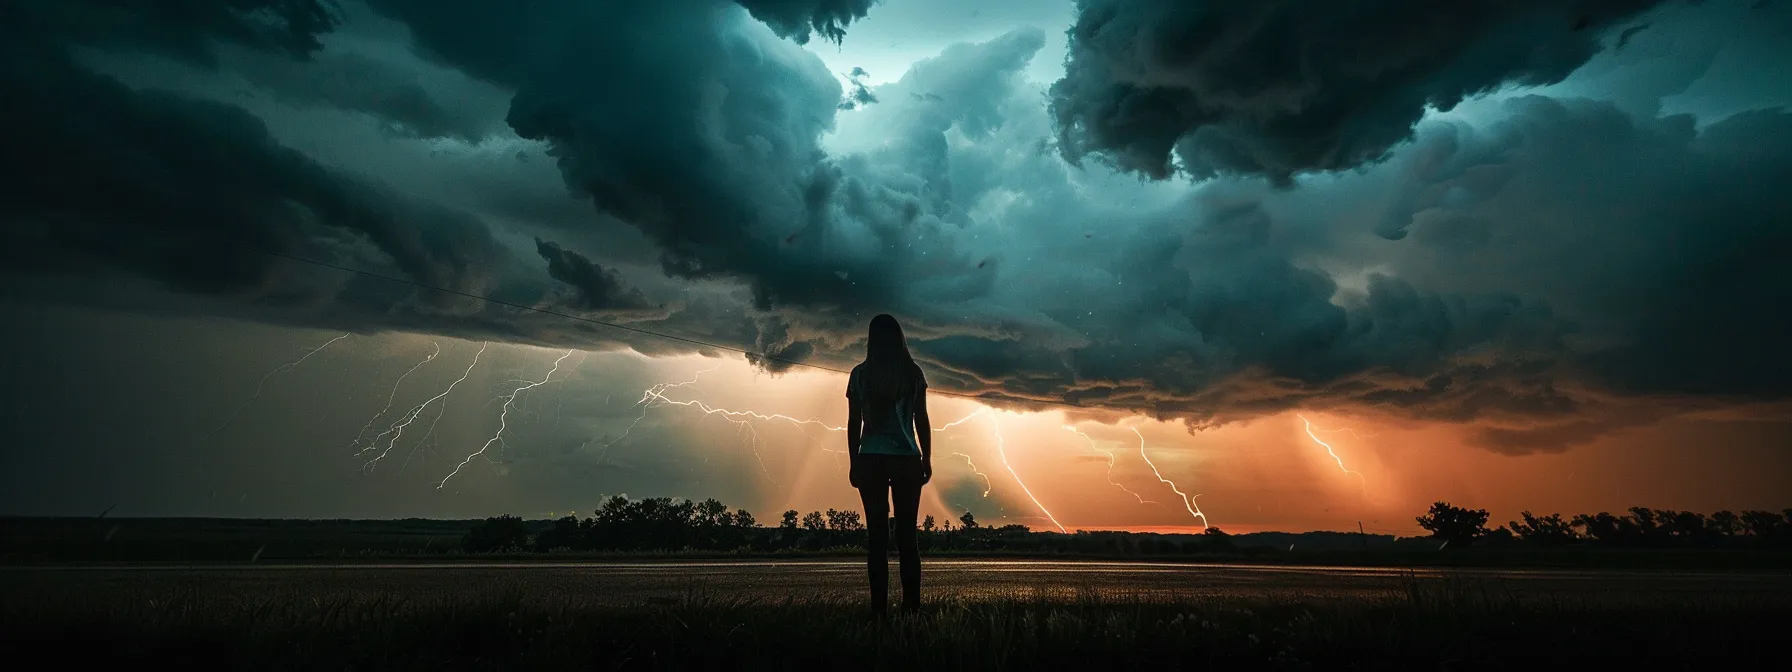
(889, 430)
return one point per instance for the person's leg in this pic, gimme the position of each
(906, 500)
(874, 498)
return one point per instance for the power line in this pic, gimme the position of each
(612, 325)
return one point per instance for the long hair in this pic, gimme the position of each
(888, 369)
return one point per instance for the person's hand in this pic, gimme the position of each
(852, 474)
(926, 470)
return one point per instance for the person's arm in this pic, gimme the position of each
(924, 433)
(853, 430)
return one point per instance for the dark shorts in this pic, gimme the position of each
(900, 471)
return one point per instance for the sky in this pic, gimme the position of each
(1165, 264)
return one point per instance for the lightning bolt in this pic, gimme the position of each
(987, 484)
(736, 416)
(978, 472)
(504, 417)
(394, 394)
(264, 381)
(1110, 455)
(1329, 451)
(656, 396)
(741, 421)
(962, 420)
(440, 410)
(396, 431)
(646, 402)
(1002, 452)
(1353, 433)
(524, 406)
(1194, 509)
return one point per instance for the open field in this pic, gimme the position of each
(780, 615)
(64, 541)
(628, 583)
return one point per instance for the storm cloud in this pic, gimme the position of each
(796, 19)
(196, 194)
(597, 288)
(1283, 87)
(1438, 238)
(358, 83)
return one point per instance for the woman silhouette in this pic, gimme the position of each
(891, 444)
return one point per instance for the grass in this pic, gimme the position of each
(62, 541)
(1456, 625)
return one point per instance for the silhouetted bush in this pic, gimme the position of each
(503, 533)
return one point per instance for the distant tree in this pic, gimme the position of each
(666, 524)
(1688, 526)
(1548, 530)
(851, 522)
(1499, 537)
(1762, 524)
(1649, 528)
(1724, 523)
(496, 535)
(1455, 526)
(566, 533)
(682, 512)
(614, 510)
(1608, 529)
(710, 513)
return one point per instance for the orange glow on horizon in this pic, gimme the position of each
(1295, 471)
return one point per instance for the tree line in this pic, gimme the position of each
(663, 524)
(1639, 528)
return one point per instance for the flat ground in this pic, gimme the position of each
(800, 615)
(635, 583)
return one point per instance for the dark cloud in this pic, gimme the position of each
(1572, 271)
(1624, 37)
(186, 30)
(781, 350)
(359, 83)
(1548, 268)
(1218, 325)
(692, 122)
(859, 95)
(1556, 250)
(195, 193)
(1283, 87)
(598, 288)
(198, 197)
(796, 19)
(1656, 232)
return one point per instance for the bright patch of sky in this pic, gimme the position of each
(896, 34)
